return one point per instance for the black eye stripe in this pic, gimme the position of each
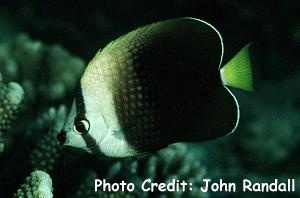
(80, 106)
(78, 119)
(80, 112)
(79, 102)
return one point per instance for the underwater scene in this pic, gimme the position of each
(196, 99)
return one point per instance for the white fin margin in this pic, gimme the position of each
(215, 29)
(221, 59)
(237, 110)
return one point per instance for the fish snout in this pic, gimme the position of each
(62, 137)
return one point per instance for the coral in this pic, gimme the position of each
(64, 72)
(11, 100)
(174, 162)
(44, 156)
(37, 185)
(34, 77)
(47, 72)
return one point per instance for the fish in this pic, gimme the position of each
(159, 84)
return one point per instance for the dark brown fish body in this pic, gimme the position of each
(165, 75)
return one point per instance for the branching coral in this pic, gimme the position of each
(11, 98)
(44, 156)
(48, 72)
(63, 74)
(35, 76)
(37, 185)
(175, 162)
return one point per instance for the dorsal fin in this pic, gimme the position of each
(217, 32)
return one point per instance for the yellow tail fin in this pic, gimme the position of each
(238, 72)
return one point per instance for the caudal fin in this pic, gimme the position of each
(238, 72)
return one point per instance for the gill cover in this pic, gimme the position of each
(84, 128)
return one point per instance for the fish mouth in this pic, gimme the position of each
(62, 137)
(90, 142)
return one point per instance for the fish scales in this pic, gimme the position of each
(157, 86)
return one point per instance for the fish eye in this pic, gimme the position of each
(81, 126)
